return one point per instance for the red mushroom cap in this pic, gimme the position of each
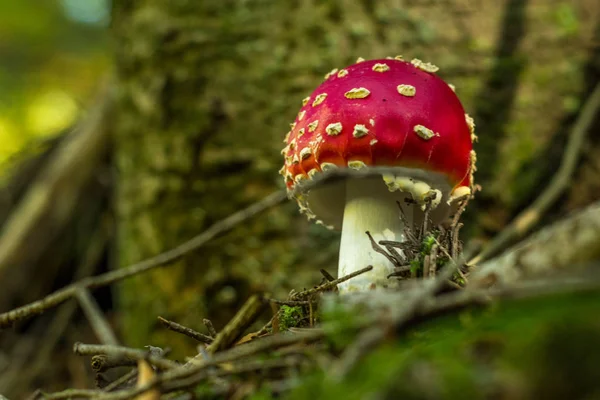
(385, 112)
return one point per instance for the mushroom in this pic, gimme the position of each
(379, 113)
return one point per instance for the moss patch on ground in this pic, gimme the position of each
(522, 349)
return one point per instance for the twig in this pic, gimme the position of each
(266, 326)
(398, 271)
(175, 327)
(103, 362)
(392, 250)
(454, 285)
(95, 317)
(311, 314)
(291, 303)
(128, 377)
(246, 367)
(125, 352)
(196, 368)
(71, 394)
(329, 285)
(238, 324)
(210, 327)
(60, 296)
(517, 290)
(433, 257)
(375, 246)
(528, 218)
(455, 241)
(426, 265)
(327, 275)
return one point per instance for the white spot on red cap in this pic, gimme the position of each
(471, 124)
(312, 173)
(334, 129)
(305, 153)
(373, 142)
(299, 178)
(357, 93)
(360, 131)
(295, 159)
(356, 164)
(313, 125)
(372, 122)
(328, 166)
(331, 73)
(316, 140)
(301, 115)
(406, 90)
(342, 73)
(459, 193)
(301, 132)
(473, 158)
(381, 67)
(305, 101)
(473, 166)
(359, 60)
(287, 137)
(451, 86)
(399, 57)
(292, 125)
(427, 67)
(319, 99)
(424, 133)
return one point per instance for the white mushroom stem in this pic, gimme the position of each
(369, 207)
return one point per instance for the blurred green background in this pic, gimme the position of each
(51, 55)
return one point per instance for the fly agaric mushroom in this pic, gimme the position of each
(379, 113)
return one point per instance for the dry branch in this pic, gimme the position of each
(210, 327)
(184, 330)
(238, 324)
(126, 353)
(96, 318)
(60, 296)
(328, 285)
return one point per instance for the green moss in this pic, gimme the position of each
(417, 265)
(544, 348)
(290, 317)
(566, 20)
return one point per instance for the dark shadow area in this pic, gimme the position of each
(494, 102)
